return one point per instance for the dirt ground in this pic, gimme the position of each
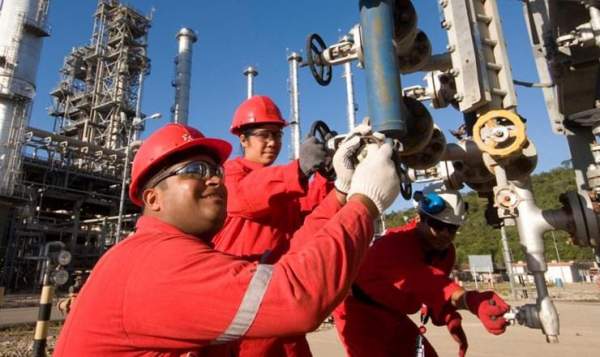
(578, 306)
(579, 336)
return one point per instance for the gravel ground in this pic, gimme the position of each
(17, 341)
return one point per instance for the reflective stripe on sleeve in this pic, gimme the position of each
(250, 304)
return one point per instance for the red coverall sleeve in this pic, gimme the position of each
(318, 189)
(316, 220)
(184, 294)
(250, 195)
(308, 283)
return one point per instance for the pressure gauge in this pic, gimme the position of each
(64, 257)
(60, 276)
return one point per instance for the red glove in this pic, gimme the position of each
(489, 308)
(454, 324)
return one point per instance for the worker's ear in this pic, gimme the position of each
(244, 140)
(152, 199)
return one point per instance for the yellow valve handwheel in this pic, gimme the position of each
(500, 133)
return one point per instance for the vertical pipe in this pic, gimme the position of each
(508, 262)
(532, 224)
(138, 107)
(351, 103)
(183, 74)
(294, 60)
(384, 89)
(250, 73)
(124, 177)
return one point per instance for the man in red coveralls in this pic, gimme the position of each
(267, 204)
(164, 291)
(404, 269)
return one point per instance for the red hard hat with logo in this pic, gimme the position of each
(163, 144)
(256, 110)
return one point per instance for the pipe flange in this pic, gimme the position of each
(405, 25)
(575, 204)
(500, 133)
(431, 153)
(419, 127)
(418, 55)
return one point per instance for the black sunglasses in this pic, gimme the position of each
(440, 226)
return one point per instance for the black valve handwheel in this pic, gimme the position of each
(321, 71)
(320, 130)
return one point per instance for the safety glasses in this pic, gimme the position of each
(440, 226)
(200, 170)
(265, 135)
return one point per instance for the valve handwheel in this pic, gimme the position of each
(320, 70)
(500, 133)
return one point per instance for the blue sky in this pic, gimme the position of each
(233, 34)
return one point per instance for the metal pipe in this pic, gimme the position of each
(123, 180)
(547, 313)
(183, 75)
(595, 23)
(438, 62)
(72, 141)
(384, 90)
(250, 73)
(351, 103)
(508, 262)
(138, 106)
(531, 225)
(470, 153)
(294, 60)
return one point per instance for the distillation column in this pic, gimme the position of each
(22, 29)
(183, 75)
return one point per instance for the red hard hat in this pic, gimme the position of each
(164, 143)
(256, 110)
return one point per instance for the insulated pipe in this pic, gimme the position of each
(531, 225)
(386, 106)
(294, 60)
(250, 73)
(351, 103)
(183, 75)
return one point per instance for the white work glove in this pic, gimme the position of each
(376, 177)
(344, 158)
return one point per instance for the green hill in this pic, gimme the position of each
(476, 237)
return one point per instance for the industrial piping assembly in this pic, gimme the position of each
(494, 156)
